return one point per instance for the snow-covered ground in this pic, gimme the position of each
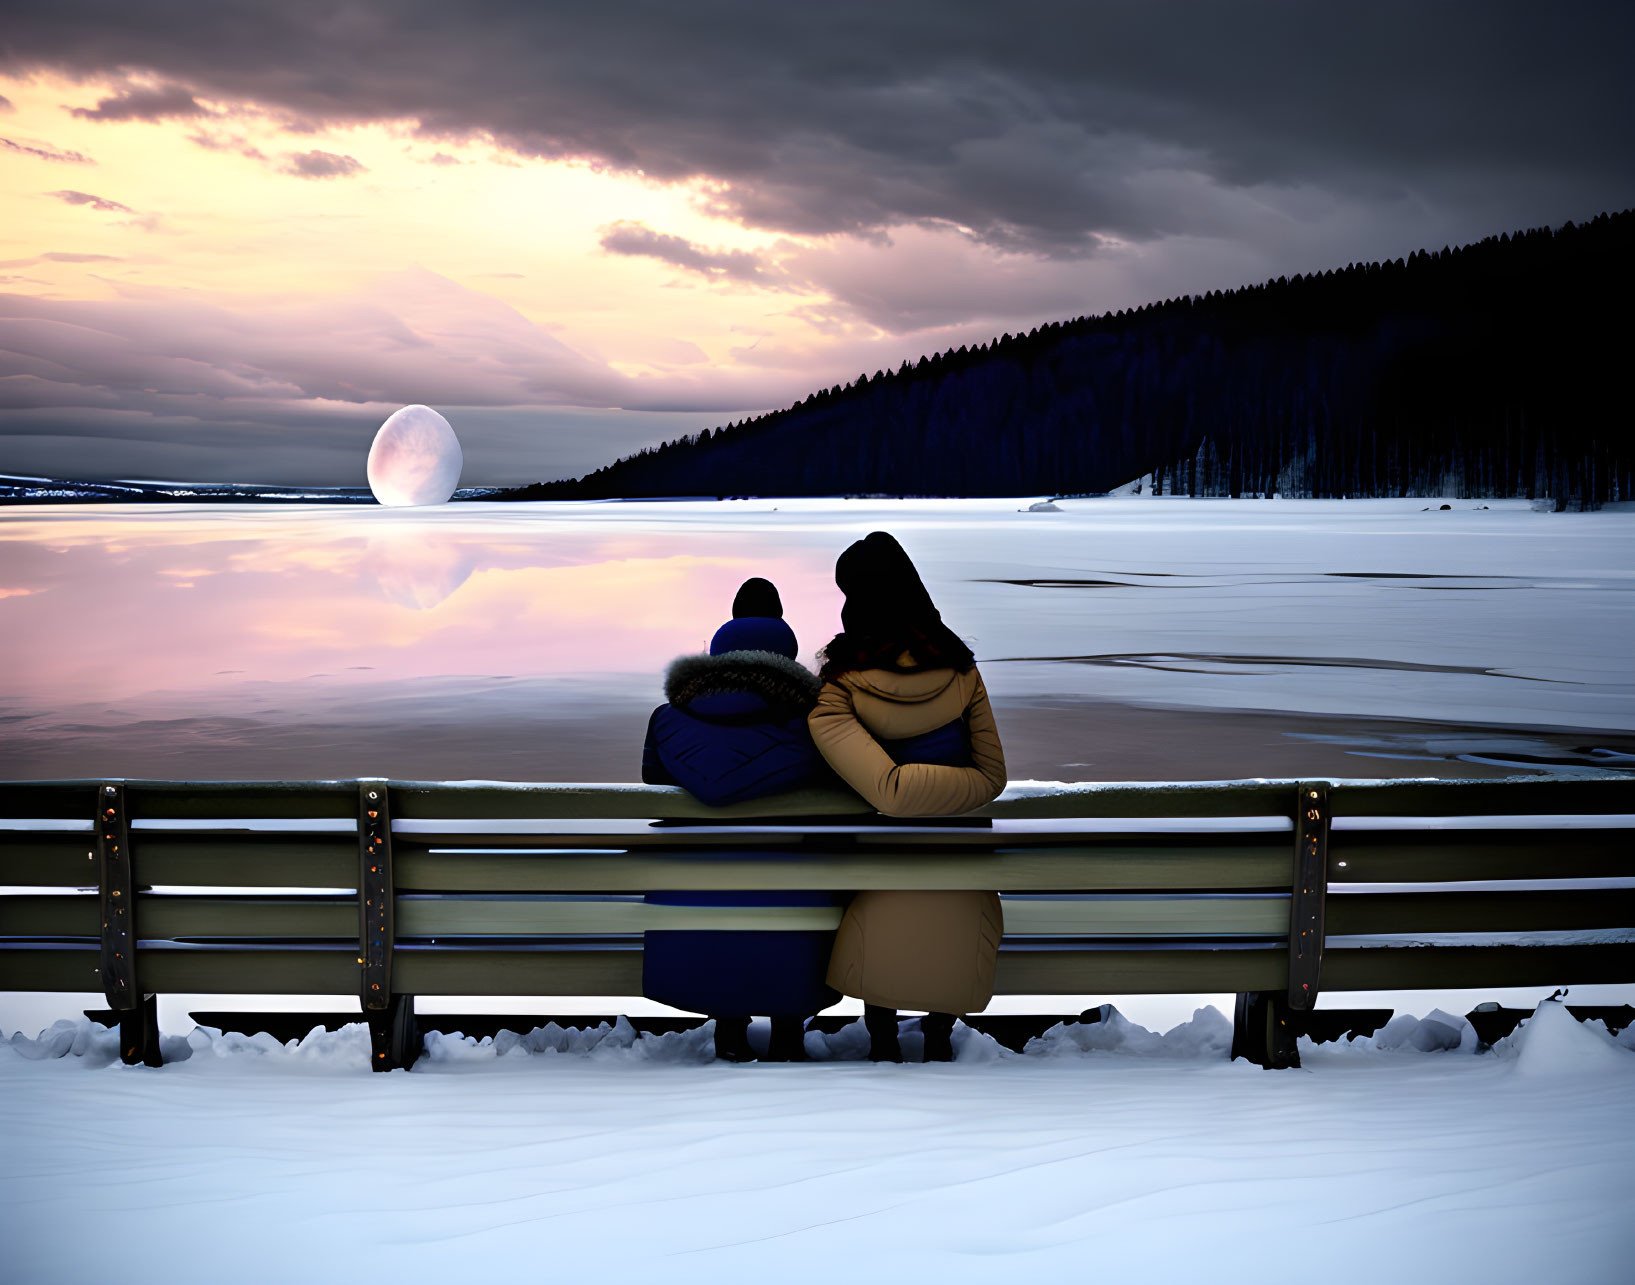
(1106, 1152)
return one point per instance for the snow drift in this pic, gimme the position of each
(1142, 1156)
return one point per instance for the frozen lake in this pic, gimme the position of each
(1120, 638)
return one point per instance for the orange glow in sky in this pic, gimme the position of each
(212, 208)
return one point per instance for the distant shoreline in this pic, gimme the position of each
(19, 492)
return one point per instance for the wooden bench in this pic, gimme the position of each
(1280, 891)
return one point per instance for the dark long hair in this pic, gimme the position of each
(887, 612)
(933, 647)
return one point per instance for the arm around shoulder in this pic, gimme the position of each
(905, 790)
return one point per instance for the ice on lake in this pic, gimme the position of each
(1127, 637)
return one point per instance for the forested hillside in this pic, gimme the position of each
(1495, 369)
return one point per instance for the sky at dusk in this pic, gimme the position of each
(233, 238)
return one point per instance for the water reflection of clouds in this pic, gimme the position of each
(416, 573)
(463, 640)
(106, 608)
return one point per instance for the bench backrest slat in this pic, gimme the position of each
(43, 860)
(1247, 865)
(1482, 798)
(207, 800)
(250, 861)
(1479, 912)
(1441, 856)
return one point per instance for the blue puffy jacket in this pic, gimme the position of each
(734, 728)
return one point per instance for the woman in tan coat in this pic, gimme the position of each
(904, 719)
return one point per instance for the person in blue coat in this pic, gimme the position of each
(733, 725)
(733, 728)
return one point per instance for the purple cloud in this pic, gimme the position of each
(629, 237)
(226, 143)
(58, 256)
(95, 202)
(316, 164)
(46, 152)
(413, 336)
(161, 103)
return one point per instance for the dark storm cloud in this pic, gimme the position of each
(46, 152)
(627, 237)
(162, 102)
(1032, 124)
(95, 202)
(316, 164)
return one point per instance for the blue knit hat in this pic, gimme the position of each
(755, 633)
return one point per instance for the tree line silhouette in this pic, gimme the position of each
(1490, 370)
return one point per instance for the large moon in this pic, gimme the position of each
(415, 458)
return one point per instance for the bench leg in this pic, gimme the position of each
(394, 1035)
(1261, 1031)
(139, 1033)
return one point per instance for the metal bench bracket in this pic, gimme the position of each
(137, 1012)
(374, 895)
(394, 1037)
(1311, 821)
(118, 902)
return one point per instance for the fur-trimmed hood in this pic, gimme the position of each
(786, 686)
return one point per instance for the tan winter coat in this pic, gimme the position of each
(918, 950)
(871, 705)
